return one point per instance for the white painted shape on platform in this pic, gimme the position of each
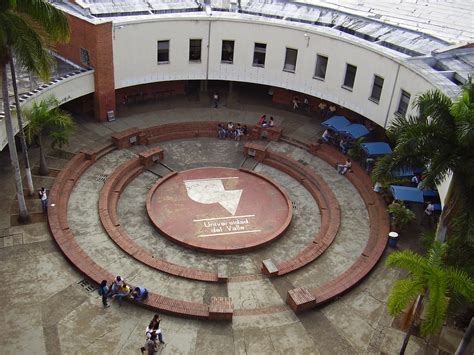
(208, 191)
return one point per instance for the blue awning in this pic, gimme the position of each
(376, 148)
(336, 123)
(404, 193)
(354, 130)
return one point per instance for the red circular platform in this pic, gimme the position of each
(219, 210)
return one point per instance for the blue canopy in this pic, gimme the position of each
(336, 123)
(404, 193)
(354, 130)
(376, 148)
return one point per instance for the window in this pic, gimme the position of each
(376, 89)
(321, 66)
(195, 50)
(163, 52)
(85, 56)
(290, 60)
(259, 54)
(349, 79)
(403, 104)
(227, 52)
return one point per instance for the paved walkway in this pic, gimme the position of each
(49, 309)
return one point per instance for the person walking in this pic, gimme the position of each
(104, 292)
(44, 199)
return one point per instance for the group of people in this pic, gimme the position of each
(262, 122)
(119, 290)
(152, 332)
(297, 103)
(231, 130)
(330, 137)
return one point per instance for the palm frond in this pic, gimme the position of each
(28, 46)
(408, 260)
(435, 106)
(53, 20)
(437, 303)
(460, 283)
(437, 253)
(402, 294)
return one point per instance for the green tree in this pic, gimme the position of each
(440, 140)
(26, 27)
(45, 117)
(431, 282)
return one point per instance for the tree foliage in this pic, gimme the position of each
(46, 117)
(428, 276)
(440, 140)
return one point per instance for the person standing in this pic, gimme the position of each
(215, 99)
(44, 199)
(104, 292)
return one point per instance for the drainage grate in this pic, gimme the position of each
(101, 178)
(86, 285)
(8, 240)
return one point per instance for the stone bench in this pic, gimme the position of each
(256, 151)
(221, 308)
(269, 268)
(150, 156)
(126, 138)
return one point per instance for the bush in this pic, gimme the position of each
(401, 215)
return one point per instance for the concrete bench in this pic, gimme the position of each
(256, 151)
(150, 156)
(126, 138)
(269, 268)
(221, 308)
(300, 299)
(222, 274)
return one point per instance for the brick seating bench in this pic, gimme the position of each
(125, 139)
(58, 224)
(150, 156)
(108, 201)
(378, 234)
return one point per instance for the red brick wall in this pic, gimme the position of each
(97, 39)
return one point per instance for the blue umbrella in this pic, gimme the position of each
(376, 148)
(354, 131)
(336, 123)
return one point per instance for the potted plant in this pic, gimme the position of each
(400, 217)
(400, 214)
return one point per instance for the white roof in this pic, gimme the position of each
(449, 20)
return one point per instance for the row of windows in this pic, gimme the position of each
(291, 55)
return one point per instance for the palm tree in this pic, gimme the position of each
(26, 27)
(441, 140)
(429, 281)
(24, 147)
(46, 117)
